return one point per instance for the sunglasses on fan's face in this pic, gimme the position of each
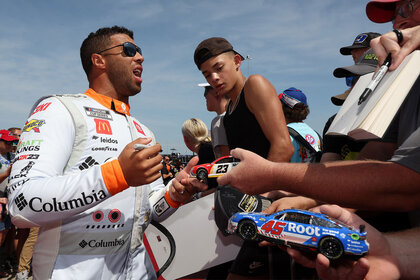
(13, 143)
(128, 48)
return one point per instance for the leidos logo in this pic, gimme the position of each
(36, 204)
(103, 127)
(33, 125)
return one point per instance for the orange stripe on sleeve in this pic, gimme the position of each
(113, 177)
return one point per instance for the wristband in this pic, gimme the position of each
(399, 34)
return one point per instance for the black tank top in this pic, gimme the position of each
(243, 130)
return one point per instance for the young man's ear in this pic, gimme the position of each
(238, 61)
(98, 61)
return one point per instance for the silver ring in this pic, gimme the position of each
(181, 192)
(197, 195)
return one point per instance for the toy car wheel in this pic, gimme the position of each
(247, 230)
(202, 175)
(331, 247)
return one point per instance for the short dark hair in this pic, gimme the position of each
(97, 41)
(11, 129)
(297, 114)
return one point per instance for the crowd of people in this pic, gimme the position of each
(86, 201)
(16, 243)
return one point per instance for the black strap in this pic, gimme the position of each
(301, 140)
(171, 239)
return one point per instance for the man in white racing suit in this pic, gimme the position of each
(77, 168)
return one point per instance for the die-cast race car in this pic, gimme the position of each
(215, 169)
(301, 230)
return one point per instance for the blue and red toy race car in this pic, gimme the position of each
(301, 230)
(215, 169)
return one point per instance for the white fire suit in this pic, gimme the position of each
(67, 181)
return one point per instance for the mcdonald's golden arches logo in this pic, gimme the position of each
(103, 127)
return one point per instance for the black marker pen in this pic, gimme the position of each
(376, 79)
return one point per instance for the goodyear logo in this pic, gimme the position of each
(103, 127)
(33, 125)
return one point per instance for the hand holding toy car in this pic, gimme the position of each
(250, 164)
(301, 229)
(378, 264)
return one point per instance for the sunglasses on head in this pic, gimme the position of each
(128, 48)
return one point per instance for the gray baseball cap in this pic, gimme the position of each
(367, 63)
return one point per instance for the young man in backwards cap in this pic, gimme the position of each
(254, 120)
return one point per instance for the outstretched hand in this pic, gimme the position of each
(251, 175)
(184, 187)
(378, 264)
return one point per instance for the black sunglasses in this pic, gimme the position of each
(14, 143)
(406, 9)
(129, 49)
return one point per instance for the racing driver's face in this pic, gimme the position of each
(124, 72)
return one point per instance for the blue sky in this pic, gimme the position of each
(292, 43)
